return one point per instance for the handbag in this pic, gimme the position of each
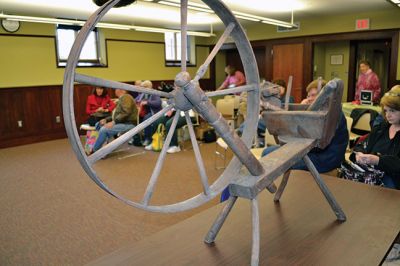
(366, 174)
(158, 138)
(210, 136)
(142, 111)
(91, 137)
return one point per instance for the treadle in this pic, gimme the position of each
(274, 164)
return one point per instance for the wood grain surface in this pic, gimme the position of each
(300, 230)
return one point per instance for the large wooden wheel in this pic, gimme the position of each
(187, 95)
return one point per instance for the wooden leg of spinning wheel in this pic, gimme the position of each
(328, 195)
(282, 186)
(212, 233)
(272, 188)
(255, 249)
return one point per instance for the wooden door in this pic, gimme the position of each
(288, 60)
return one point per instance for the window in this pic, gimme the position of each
(90, 55)
(173, 50)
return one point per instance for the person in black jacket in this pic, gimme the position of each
(382, 148)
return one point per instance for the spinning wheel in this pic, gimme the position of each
(187, 95)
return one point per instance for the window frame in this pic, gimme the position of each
(191, 58)
(61, 63)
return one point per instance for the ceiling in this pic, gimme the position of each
(143, 13)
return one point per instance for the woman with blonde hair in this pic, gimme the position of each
(382, 149)
(148, 105)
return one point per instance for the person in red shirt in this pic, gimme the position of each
(99, 105)
(234, 78)
(367, 80)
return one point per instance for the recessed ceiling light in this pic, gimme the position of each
(396, 1)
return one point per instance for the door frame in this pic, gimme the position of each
(353, 65)
(309, 41)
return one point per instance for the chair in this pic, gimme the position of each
(90, 138)
(220, 153)
(183, 132)
(226, 107)
(352, 136)
(363, 123)
(236, 100)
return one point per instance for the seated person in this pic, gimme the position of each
(367, 80)
(312, 91)
(277, 94)
(138, 83)
(324, 160)
(123, 119)
(331, 156)
(148, 106)
(167, 121)
(382, 148)
(234, 78)
(99, 105)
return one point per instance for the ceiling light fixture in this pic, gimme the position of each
(240, 15)
(196, 8)
(395, 2)
(99, 25)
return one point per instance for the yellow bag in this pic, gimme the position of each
(158, 138)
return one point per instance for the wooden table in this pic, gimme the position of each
(300, 230)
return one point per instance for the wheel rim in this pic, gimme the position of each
(233, 29)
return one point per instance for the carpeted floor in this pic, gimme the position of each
(53, 214)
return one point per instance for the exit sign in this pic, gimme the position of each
(362, 24)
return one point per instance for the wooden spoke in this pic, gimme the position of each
(203, 68)
(117, 85)
(184, 8)
(236, 90)
(288, 91)
(107, 149)
(199, 160)
(160, 161)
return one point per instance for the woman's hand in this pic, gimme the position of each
(109, 125)
(367, 158)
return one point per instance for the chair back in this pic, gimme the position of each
(363, 123)
(226, 107)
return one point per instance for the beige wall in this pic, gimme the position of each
(398, 64)
(381, 19)
(323, 66)
(384, 19)
(338, 71)
(31, 61)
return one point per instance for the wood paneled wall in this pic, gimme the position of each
(34, 114)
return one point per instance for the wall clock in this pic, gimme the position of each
(10, 25)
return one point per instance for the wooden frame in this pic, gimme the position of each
(336, 59)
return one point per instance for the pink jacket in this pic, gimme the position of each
(368, 81)
(237, 79)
